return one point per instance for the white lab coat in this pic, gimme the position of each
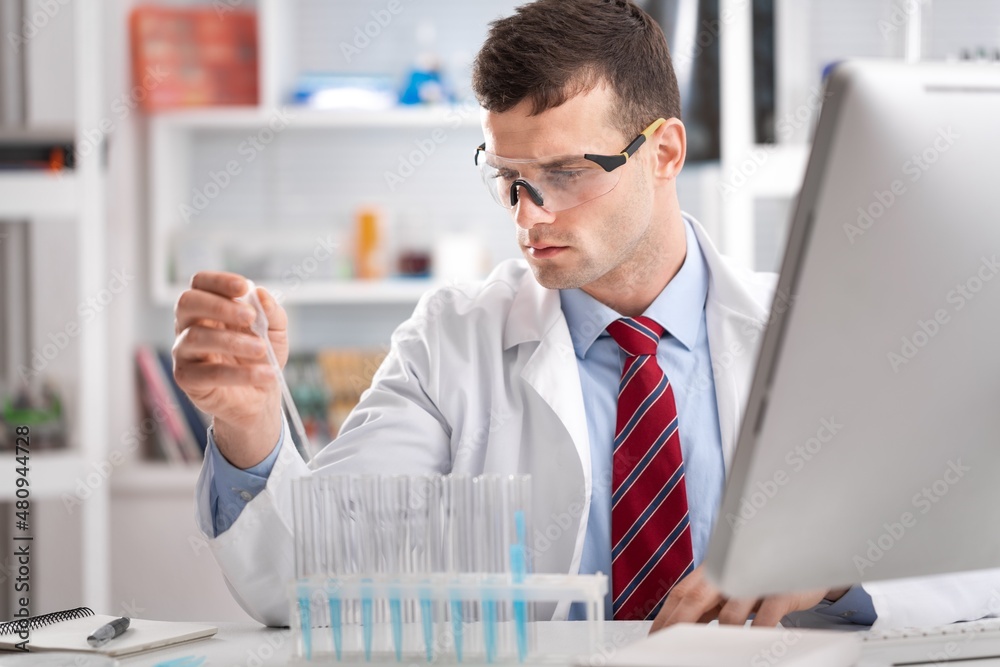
(484, 379)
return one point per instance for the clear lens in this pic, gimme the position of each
(562, 182)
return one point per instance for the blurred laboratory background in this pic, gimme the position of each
(323, 148)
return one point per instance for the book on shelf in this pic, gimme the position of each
(180, 428)
(325, 386)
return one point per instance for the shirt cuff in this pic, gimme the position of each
(854, 606)
(231, 487)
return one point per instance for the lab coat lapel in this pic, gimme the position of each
(735, 322)
(551, 370)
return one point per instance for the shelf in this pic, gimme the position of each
(308, 118)
(51, 474)
(778, 175)
(30, 194)
(145, 478)
(401, 291)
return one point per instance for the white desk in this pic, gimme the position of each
(248, 645)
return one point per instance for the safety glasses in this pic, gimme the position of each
(556, 183)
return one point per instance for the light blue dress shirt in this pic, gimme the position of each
(683, 354)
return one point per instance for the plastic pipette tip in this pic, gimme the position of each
(306, 626)
(396, 614)
(519, 570)
(336, 627)
(427, 616)
(456, 627)
(490, 629)
(366, 622)
(260, 327)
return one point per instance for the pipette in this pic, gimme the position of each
(519, 570)
(260, 327)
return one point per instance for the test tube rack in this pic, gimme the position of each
(469, 618)
(422, 568)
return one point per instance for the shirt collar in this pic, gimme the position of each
(678, 308)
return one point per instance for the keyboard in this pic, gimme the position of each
(943, 644)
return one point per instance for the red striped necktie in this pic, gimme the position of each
(650, 532)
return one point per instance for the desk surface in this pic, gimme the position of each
(249, 645)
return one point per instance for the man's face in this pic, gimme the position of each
(580, 245)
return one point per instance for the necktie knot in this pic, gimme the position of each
(636, 335)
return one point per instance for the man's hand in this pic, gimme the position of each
(695, 600)
(222, 365)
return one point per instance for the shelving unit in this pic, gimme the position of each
(142, 479)
(38, 194)
(174, 136)
(94, 437)
(306, 118)
(779, 174)
(76, 200)
(390, 291)
(181, 158)
(53, 473)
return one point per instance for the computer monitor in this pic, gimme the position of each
(870, 444)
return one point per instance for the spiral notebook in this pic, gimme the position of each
(68, 631)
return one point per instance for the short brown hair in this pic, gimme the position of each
(552, 50)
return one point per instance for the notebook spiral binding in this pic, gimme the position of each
(35, 622)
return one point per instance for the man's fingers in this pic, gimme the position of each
(197, 342)
(772, 610)
(736, 612)
(228, 285)
(277, 320)
(194, 305)
(195, 377)
(689, 609)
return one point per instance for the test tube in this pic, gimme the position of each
(338, 545)
(369, 561)
(395, 519)
(519, 498)
(425, 501)
(458, 551)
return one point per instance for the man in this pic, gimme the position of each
(612, 363)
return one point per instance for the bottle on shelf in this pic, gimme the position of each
(369, 251)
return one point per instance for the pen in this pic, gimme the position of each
(109, 631)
